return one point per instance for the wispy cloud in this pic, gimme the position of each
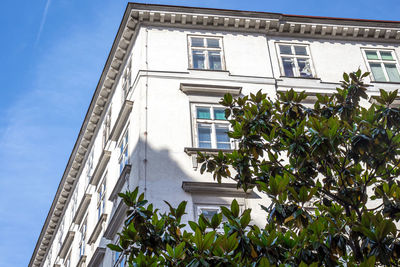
(44, 16)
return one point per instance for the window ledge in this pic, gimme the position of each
(66, 244)
(101, 165)
(207, 89)
(80, 212)
(385, 82)
(121, 120)
(213, 151)
(82, 261)
(120, 182)
(208, 70)
(97, 257)
(218, 189)
(97, 229)
(299, 77)
(116, 220)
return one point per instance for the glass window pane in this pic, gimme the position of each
(223, 141)
(288, 66)
(219, 114)
(300, 50)
(204, 132)
(198, 60)
(386, 55)
(285, 49)
(214, 59)
(377, 72)
(392, 72)
(197, 42)
(208, 213)
(304, 67)
(203, 113)
(371, 55)
(213, 43)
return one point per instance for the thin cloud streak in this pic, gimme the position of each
(46, 9)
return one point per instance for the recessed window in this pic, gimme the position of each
(82, 240)
(123, 147)
(107, 127)
(206, 53)
(295, 60)
(101, 200)
(383, 65)
(210, 127)
(119, 259)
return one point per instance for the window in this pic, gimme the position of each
(295, 60)
(82, 241)
(67, 262)
(107, 127)
(126, 81)
(206, 53)
(101, 201)
(89, 166)
(208, 212)
(123, 158)
(60, 234)
(74, 203)
(211, 127)
(119, 259)
(383, 65)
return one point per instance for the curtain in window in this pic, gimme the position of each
(392, 72)
(377, 71)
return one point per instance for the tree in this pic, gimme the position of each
(340, 158)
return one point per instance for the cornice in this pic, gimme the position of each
(135, 14)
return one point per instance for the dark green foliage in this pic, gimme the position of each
(331, 173)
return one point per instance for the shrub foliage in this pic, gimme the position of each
(331, 173)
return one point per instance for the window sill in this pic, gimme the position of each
(190, 69)
(299, 77)
(213, 151)
(97, 229)
(82, 261)
(385, 82)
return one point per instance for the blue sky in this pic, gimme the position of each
(53, 52)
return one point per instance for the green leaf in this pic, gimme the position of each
(115, 247)
(235, 208)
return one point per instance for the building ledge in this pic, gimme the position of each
(207, 89)
(121, 120)
(213, 151)
(97, 257)
(97, 229)
(120, 182)
(80, 212)
(66, 244)
(82, 261)
(101, 165)
(218, 189)
(116, 220)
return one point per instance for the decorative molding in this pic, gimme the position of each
(207, 89)
(66, 244)
(80, 212)
(97, 229)
(97, 257)
(101, 165)
(121, 120)
(116, 220)
(213, 151)
(120, 182)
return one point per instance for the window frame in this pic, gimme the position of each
(367, 61)
(122, 158)
(107, 126)
(101, 199)
(206, 49)
(296, 69)
(82, 239)
(212, 122)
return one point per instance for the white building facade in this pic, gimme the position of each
(156, 105)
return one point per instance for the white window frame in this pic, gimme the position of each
(123, 146)
(67, 262)
(206, 51)
(199, 207)
(82, 240)
(118, 258)
(296, 70)
(381, 62)
(60, 234)
(101, 199)
(90, 165)
(213, 123)
(74, 201)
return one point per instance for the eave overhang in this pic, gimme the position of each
(188, 17)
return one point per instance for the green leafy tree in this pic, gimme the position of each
(339, 158)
